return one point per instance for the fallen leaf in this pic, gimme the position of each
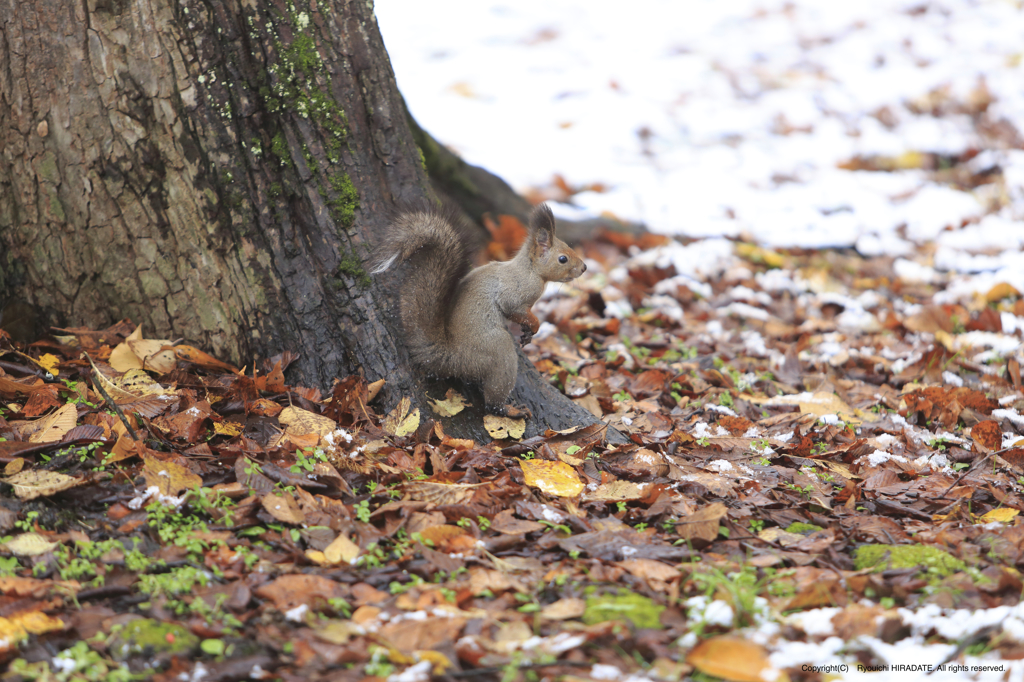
(616, 491)
(736, 659)
(169, 478)
(152, 354)
(1002, 515)
(300, 422)
(204, 360)
(49, 362)
(501, 428)
(702, 524)
(28, 485)
(400, 422)
(52, 427)
(29, 544)
(342, 550)
(553, 478)
(283, 507)
(452, 404)
(564, 609)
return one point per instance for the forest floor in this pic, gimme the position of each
(821, 480)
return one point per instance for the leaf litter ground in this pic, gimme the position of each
(821, 473)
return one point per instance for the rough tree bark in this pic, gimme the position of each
(214, 170)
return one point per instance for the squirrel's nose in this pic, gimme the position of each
(584, 267)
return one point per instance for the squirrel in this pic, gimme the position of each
(455, 316)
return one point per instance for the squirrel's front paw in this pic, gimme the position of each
(526, 337)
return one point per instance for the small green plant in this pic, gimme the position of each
(483, 522)
(725, 400)
(306, 460)
(379, 665)
(362, 510)
(557, 527)
(756, 526)
(622, 396)
(27, 524)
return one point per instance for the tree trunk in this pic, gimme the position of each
(215, 171)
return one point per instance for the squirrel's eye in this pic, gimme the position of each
(563, 259)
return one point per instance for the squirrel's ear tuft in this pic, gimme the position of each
(542, 220)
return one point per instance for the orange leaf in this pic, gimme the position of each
(736, 659)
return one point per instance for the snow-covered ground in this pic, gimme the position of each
(732, 118)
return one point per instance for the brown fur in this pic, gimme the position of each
(455, 319)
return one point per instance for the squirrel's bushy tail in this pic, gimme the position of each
(437, 263)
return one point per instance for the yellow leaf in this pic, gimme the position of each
(14, 466)
(20, 625)
(38, 623)
(1002, 515)
(337, 631)
(553, 478)
(400, 422)
(736, 659)
(30, 544)
(757, 254)
(452, 404)
(228, 428)
(50, 362)
(341, 549)
(170, 478)
(501, 428)
(438, 660)
(28, 485)
(1001, 291)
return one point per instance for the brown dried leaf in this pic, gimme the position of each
(283, 507)
(703, 524)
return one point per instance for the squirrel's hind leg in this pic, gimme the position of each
(499, 382)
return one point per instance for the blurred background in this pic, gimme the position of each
(895, 128)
